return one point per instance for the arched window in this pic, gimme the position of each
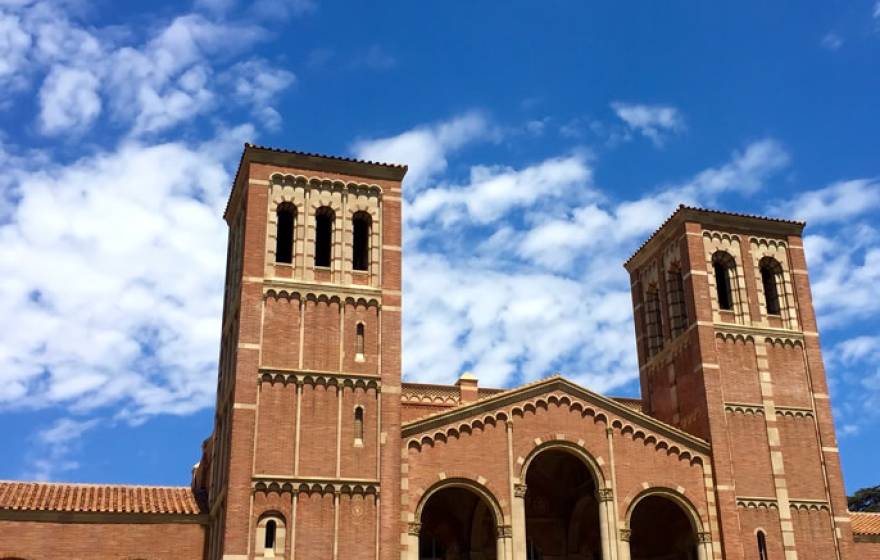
(675, 301)
(724, 267)
(771, 276)
(653, 321)
(358, 425)
(360, 246)
(359, 341)
(286, 216)
(762, 546)
(269, 536)
(269, 541)
(324, 218)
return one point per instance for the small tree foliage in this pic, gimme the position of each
(865, 499)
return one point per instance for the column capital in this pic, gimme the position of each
(704, 537)
(625, 534)
(504, 531)
(519, 490)
(414, 529)
(605, 494)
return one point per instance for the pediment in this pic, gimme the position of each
(556, 389)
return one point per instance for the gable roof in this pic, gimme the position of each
(548, 385)
(97, 498)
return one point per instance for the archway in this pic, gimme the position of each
(457, 523)
(561, 507)
(660, 529)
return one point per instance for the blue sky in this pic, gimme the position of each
(543, 146)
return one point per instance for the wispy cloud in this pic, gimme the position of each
(50, 454)
(655, 122)
(832, 41)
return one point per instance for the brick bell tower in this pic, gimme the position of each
(729, 351)
(304, 459)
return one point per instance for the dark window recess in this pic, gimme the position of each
(324, 219)
(359, 339)
(359, 423)
(724, 267)
(284, 234)
(269, 543)
(770, 273)
(762, 546)
(361, 241)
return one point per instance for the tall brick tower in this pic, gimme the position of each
(729, 351)
(305, 454)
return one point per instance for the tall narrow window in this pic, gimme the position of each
(324, 218)
(269, 543)
(359, 340)
(762, 546)
(358, 425)
(724, 267)
(771, 274)
(360, 245)
(675, 301)
(653, 321)
(284, 233)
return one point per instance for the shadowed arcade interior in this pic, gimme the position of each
(457, 524)
(661, 530)
(562, 512)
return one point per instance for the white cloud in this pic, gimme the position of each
(109, 307)
(832, 41)
(837, 202)
(652, 121)
(877, 10)
(256, 84)
(14, 45)
(376, 58)
(425, 148)
(493, 191)
(558, 242)
(68, 100)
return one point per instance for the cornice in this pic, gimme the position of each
(550, 384)
(89, 517)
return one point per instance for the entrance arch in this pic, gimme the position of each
(458, 521)
(663, 526)
(562, 510)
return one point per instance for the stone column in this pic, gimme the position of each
(605, 496)
(518, 509)
(503, 541)
(623, 543)
(704, 546)
(412, 541)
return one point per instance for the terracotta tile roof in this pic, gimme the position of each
(683, 208)
(864, 523)
(97, 498)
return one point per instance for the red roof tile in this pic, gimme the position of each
(97, 498)
(864, 523)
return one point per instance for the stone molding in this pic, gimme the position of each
(605, 494)
(414, 528)
(555, 390)
(294, 485)
(316, 377)
(519, 490)
(625, 534)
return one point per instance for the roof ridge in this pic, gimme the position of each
(93, 484)
(326, 156)
(683, 206)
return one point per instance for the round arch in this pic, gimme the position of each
(572, 449)
(663, 523)
(678, 498)
(457, 516)
(481, 491)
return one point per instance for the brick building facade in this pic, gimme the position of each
(320, 451)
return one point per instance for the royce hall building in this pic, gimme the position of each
(320, 452)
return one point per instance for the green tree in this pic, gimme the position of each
(865, 499)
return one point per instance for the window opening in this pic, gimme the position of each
(358, 425)
(770, 273)
(269, 543)
(762, 546)
(361, 241)
(286, 216)
(724, 267)
(324, 219)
